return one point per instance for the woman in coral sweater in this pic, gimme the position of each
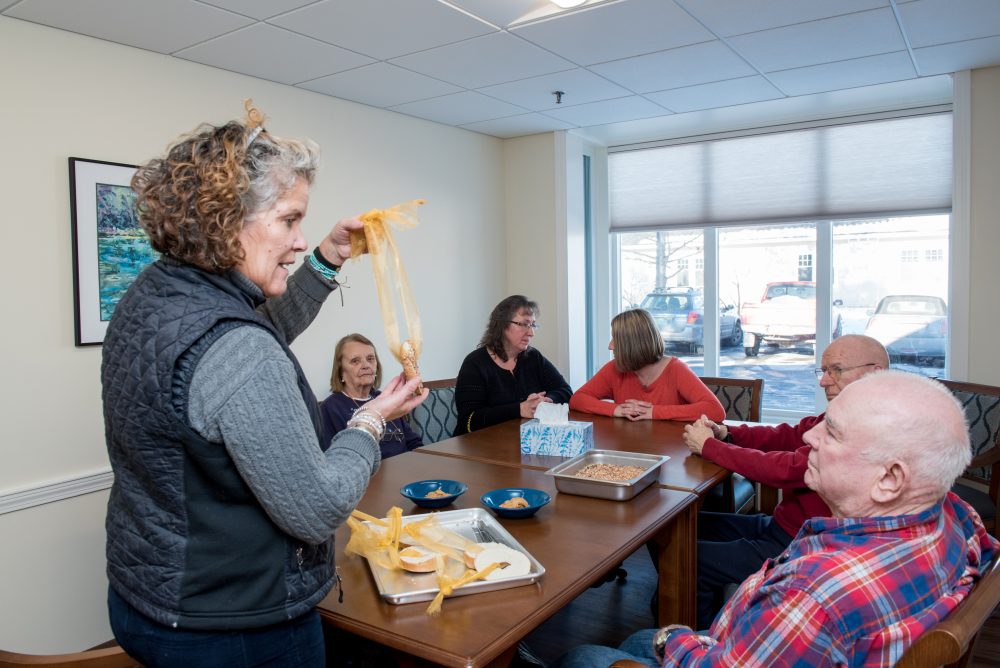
(643, 383)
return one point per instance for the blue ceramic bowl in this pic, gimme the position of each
(536, 498)
(418, 491)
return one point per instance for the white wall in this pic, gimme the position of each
(66, 95)
(984, 210)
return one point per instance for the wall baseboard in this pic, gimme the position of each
(29, 497)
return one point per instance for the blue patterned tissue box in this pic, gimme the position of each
(561, 440)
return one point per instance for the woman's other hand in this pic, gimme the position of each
(529, 405)
(633, 409)
(398, 398)
(336, 246)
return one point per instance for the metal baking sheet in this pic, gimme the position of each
(477, 524)
(566, 480)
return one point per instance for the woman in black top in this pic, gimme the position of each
(505, 378)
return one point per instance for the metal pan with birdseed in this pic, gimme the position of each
(607, 474)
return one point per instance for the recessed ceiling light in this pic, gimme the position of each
(566, 4)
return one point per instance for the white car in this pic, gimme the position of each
(912, 328)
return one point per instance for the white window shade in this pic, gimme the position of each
(873, 168)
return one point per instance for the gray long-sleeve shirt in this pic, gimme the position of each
(244, 395)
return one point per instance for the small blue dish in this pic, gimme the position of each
(418, 491)
(536, 498)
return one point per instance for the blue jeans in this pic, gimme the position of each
(638, 647)
(294, 644)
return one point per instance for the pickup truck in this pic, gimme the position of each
(785, 316)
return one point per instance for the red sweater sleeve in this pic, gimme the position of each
(590, 398)
(775, 456)
(693, 399)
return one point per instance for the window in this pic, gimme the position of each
(788, 217)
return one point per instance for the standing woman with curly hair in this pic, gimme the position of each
(505, 378)
(225, 498)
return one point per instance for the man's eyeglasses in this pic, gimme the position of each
(524, 325)
(837, 371)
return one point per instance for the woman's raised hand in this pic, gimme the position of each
(336, 246)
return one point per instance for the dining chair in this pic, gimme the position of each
(105, 657)
(436, 417)
(979, 486)
(741, 398)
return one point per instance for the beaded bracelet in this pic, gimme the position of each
(371, 418)
(322, 266)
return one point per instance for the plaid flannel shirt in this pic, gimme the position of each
(847, 592)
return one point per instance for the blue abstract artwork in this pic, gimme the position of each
(123, 249)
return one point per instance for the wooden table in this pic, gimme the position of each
(500, 444)
(577, 539)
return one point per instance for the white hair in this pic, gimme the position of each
(918, 421)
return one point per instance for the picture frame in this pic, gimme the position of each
(109, 247)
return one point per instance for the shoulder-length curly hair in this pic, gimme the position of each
(501, 316)
(193, 202)
(637, 340)
(336, 375)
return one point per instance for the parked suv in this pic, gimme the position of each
(678, 313)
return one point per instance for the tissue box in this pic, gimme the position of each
(561, 440)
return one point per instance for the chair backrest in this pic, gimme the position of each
(740, 397)
(435, 419)
(950, 642)
(982, 410)
(107, 657)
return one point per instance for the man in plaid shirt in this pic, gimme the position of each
(855, 589)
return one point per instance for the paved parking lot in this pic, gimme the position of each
(789, 380)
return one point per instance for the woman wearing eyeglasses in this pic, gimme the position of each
(354, 381)
(504, 377)
(643, 383)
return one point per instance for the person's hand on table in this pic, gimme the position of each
(398, 397)
(336, 246)
(633, 409)
(529, 405)
(699, 431)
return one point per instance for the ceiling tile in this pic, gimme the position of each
(502, 13)
(582, 37)
(676, 68)
(459, 109)
(380, 85)
(929, 22)
(608, 111)
(716, 94)
(841, 38)
(579, 86)
(957, 56)
(735, 17)
(156, 25)
(8, 3)
(518, 126)
(259, 9)
(384, 29)
(845, 74)
(484, 61)
(289, 58)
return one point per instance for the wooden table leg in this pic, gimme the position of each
(677, 565)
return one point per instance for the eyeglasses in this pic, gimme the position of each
(524, 325)
(837, 371)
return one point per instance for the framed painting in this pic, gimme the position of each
(109, 247)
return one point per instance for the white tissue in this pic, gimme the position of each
(547, 413)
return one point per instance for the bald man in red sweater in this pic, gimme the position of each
(731, 546)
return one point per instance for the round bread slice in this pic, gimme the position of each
(471, 552)
(517, 563)
(418, 560)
